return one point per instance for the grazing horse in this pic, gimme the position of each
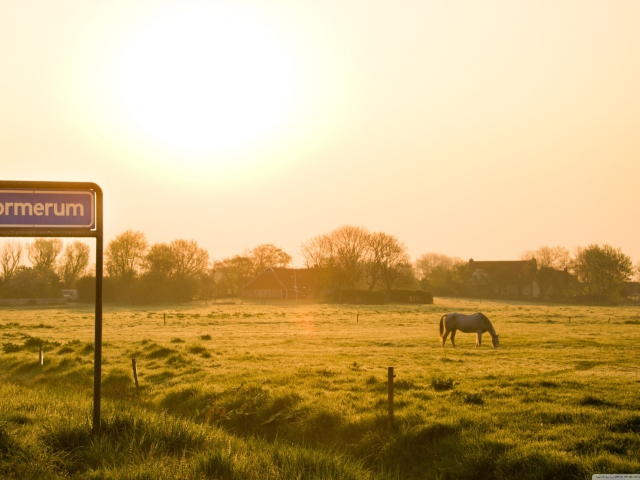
(476, 322)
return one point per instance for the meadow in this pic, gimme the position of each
(299, 391)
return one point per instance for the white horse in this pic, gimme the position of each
(476, 322)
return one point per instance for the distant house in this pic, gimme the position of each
(282, 283)
(504, 278)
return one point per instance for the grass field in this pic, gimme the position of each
(300, 391)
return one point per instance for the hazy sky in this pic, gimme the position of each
(478, 129)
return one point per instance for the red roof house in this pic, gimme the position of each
(509, 278)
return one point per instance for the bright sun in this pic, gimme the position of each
(205, 79)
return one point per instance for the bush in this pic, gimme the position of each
(86, 287)
(362, 297)
(30, 282)
(411, 296)
(442, 384)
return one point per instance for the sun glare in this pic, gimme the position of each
(204, 79)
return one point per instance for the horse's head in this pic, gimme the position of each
(495, 340)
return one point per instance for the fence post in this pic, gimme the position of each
(41, 356)
(135, 372)
(390, 376)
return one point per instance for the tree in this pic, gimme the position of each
(602, 269)
(551, 257)
(124, 256)
(74, 262)
(190, 261)
(267, 255)
(159, 261)
(549, 260)
(173, 272)
(340, 254)
(429, 262)
(231, 274)
(388, 262)
(43, 253)
(10, 258)
(28, 282)
(441, 274)
(179, 259)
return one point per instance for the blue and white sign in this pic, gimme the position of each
(42, 209)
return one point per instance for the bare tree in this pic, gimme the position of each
(190, 260)
(388, 262)
(125, 255)
(267, 255)
(10, 258)
(179, 259)
(429, 263)
(340, 254)
(552, 257)
(75, 260)
(549, 260)
(318, 252)
(43, 252)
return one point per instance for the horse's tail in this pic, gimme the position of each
(442, 325)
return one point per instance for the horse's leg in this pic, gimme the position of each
(453, 336)
(479, 339)
(444, 337)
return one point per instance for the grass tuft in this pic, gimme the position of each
(442, 384)
(474, 399)
(118, 383)
(589, 400)
(628, 425)
(199, 350)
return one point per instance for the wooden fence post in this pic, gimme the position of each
(41, 356)
(135, 372)
(390, 376)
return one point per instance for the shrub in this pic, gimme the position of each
(361, 297)
(442, 384)
(473, 398)
(411, 296)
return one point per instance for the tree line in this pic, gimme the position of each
(597, 271)
(347, 258)
(54, 266)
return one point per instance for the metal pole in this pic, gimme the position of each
(97, 366)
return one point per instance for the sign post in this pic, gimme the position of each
(60, 209)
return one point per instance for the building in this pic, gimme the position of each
(282, 283)
(504, 278)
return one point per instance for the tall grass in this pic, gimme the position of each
(260, 391)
